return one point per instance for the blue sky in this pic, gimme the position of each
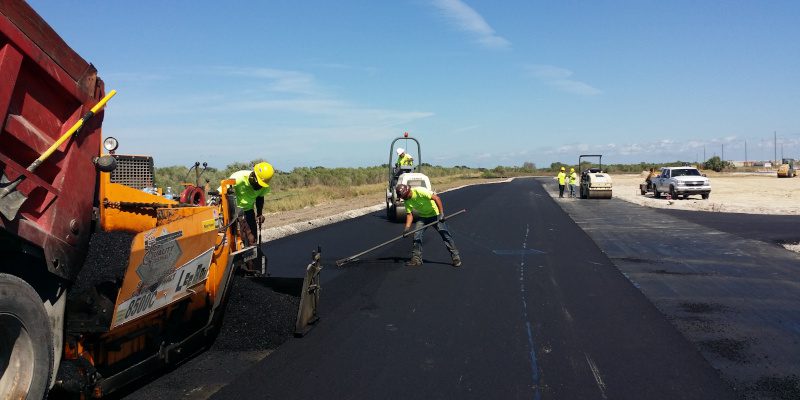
(479, 82)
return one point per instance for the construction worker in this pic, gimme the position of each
(429, 209)
(649, 180)
(403, 158)
(562, 177)
(251, 186)
(573, 180)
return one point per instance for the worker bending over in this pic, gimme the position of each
(429, 209)
(251, 186)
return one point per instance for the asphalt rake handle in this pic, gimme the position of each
(354, 257)
(10, 199)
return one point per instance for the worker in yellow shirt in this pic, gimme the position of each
(562, 178)
(573, 180)
(251, 186)
(403, 158)
(429, 209)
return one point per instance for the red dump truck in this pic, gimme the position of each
(100, 281)
(45, 88)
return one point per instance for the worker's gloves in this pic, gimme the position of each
(406, 231)
(441, 217)
(261, 219)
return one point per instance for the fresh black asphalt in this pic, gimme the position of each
(537, 311)
(722, 279)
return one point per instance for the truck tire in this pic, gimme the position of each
(672, 193)
(26, 344)
(642, 189)
(705, 196)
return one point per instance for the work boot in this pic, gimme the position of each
(456, 261)
(414, 262)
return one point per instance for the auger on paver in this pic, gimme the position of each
(354, 257)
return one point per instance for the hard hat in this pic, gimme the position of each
(563, 169)
(400, 151)
(264, 173)
(402, 190)
(572, 170)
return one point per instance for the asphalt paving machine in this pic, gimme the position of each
(101, 283)
(410, 175)
(594, 183)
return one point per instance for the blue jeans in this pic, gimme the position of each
(416, 250)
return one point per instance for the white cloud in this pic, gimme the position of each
(308, 98)
(346, 67)
(467, 128)
(467, 19)
(560, 78)
(290, 110)
(278, 80)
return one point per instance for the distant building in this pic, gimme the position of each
(764, 164)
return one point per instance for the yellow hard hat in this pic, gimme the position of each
(572, 170)
(562, 168)
(264, 173)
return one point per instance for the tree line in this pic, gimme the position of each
(177, 176)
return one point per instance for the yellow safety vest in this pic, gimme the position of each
(405, 159)
(245, 195)
(422, 200)
(561, 177)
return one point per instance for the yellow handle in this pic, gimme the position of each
(72, 130)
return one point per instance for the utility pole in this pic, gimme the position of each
(704, 154)
(775, 139)
(745, 152)
(722, 158)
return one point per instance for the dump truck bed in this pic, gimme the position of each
(46, 88)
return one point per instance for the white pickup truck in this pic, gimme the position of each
(681, 181)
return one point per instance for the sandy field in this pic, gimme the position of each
(732, 193)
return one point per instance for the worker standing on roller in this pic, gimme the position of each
(429, 209)
(403, 158)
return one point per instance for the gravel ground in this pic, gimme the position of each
(106, 261)
(256, 317)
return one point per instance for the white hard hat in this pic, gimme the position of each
(400, 150)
